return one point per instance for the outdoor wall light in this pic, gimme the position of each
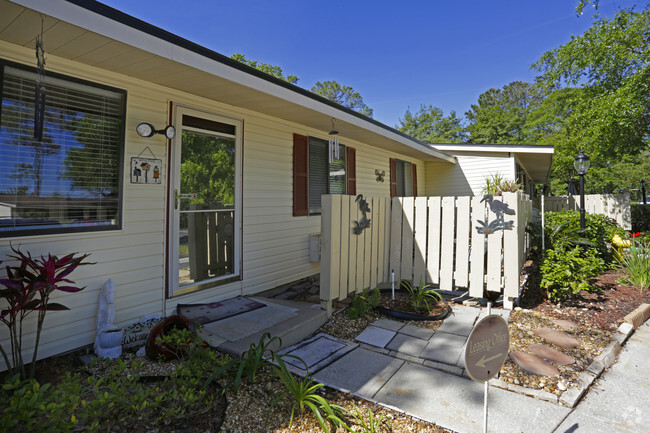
(147, 130)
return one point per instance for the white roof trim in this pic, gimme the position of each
(512, 148)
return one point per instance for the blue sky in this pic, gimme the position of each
(396, 54)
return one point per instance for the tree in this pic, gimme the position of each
(343, 95)
(501, 114)
(430, 125)
(599, 85)
(610, 62)
(276, 71)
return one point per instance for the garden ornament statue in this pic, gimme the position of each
(108, 342)
(499, 208)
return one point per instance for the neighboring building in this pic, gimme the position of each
(225, 207)
(527, 164)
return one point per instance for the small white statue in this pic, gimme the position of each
(108, 342)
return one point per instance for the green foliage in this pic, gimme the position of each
(422, 296)
(28, 287)
(430, 125)
(496, 185)
(304, 395)
(363, 303)
(501, 114)
(608, 71)
(573, 256)
(563, 231)
(374, 424)
(636, 263)
(565, 272)
(640, 217)
(81, 403)
(249, 364)
(275, 71)
(343, 95)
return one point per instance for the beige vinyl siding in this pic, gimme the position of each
(467, 177)
(274, 246)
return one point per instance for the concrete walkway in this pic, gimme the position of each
(620, 400)
(422, 373)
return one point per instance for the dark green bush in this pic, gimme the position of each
(363, 303)
(640, 217)
(573, 256)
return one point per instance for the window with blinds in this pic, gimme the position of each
(324, 177)
(71, 180)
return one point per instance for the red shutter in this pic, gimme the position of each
(351, 169)
(300, 179)
(415, 181)
(393, 177)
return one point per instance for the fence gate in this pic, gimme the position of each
(450, 242)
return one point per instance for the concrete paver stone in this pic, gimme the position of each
(393, 325)
(376, 336)
(533, 364)
(551, 354)
(406, 344)
(317, 352)
(456, 403)
(460, 321)
(444, 347)
(417, 331)
(557, 337)
(361, 371)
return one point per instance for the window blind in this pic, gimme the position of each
(71, 179)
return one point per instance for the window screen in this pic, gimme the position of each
(71, 180)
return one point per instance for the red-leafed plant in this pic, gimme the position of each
(28, 287)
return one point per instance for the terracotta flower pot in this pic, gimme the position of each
(168, 352)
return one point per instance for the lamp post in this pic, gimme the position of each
(643, 191)
(581, 164)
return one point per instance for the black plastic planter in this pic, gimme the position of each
(402, 315)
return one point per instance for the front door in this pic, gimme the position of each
(205, 209)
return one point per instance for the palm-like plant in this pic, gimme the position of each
(423, 297)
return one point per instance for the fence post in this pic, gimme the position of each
(330, 244)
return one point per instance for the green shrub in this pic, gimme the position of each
(640, 214)
(363, 303)
(565, 272)
(249, 364)
(563, 231)
(374, 423)
(636, 263)
(423, 297)
(304, 395)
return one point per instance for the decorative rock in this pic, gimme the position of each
(566, 325)
(534, 364)
(551, 354)
(557, 337)
(561, 386)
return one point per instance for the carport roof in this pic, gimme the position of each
(535, 159)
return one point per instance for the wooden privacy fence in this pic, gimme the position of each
(423, 239)
(615, 206)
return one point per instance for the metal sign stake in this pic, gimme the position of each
(487, 385)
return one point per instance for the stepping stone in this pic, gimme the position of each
(557, 337)
(416, 331)
(533, 364)
(406, 344)
(384, 323)
(445, 348)
(376, 336)
(551, 354)
(566, 325)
